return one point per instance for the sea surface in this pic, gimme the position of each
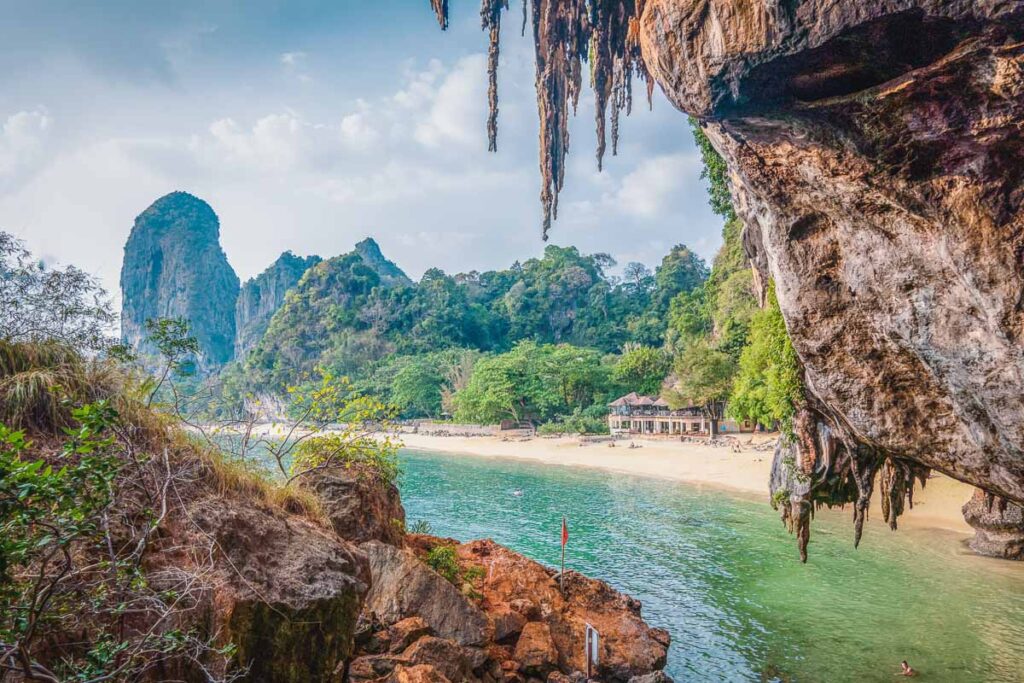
(722, 575)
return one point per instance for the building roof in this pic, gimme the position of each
(635, 399)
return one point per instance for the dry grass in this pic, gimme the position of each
(41, 382)
(233, 478)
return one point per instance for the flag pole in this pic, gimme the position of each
(561, 576)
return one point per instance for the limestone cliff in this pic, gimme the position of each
(174, 267)
(261, 296)
(876, 152)
(390, 274)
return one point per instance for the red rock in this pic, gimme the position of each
(404, 633)
(536, 651)
(421, 673)
(444, 655)
(508, 624)
(359, 504)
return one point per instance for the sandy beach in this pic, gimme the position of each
(746, 472)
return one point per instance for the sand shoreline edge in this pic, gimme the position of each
(743, 473)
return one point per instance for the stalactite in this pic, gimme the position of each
(490, 20)
(896, 482)
(441, 10)
(819, 467)
(567, 33)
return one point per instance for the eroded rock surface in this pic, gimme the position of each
(288, 594)
(360, 506)
(403, 586)
(876, 152)
(998, 526)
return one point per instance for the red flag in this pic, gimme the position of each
(565, 532)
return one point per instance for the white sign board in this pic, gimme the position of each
(593, 642)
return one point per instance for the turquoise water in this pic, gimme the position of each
(721, 574)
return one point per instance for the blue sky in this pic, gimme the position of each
(308, 126)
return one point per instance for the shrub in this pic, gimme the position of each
(443, 561)
(421, 526)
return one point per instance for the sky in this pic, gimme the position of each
(309, 125)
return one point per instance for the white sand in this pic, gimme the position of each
(937, 506)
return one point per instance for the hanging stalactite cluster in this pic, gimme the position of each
(817, 467)
(567, 34)
(441, 10)
(490, 20)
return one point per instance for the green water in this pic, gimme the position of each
(721, 574)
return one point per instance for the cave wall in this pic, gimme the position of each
(876, 152)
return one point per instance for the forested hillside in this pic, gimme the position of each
(550, 340)
(416, 344)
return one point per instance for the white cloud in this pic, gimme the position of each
(652, 188)
(273, 142)
(23, 140)
(293, 58)
(457, 107)
(357, 130)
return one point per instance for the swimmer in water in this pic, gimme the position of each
(906, 669)
(517, 493)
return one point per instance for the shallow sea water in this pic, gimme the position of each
(722, 575)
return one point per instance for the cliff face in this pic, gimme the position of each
(261, 296)
(876, 152)
(174, 267)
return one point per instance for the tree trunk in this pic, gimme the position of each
(714, 426)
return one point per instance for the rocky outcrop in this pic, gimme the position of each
(403, 586)
(513, 583)
(261, 296)
(499, 617)
(286, 593)
(359, 504)
(390, 274)
(174, 267)
(876, 156)
(998, 526)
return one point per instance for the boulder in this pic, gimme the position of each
(535, 650)
(444, 655)
(373, 667)
(403, 586)
(361, 506)
(655, 677)
(506, 623)
(287, 593)
(998, 526)
(404, 633)
(421, 673)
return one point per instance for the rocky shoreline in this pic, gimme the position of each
(496, 617)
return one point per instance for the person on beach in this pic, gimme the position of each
(906, 669)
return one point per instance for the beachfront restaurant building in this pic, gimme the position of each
(637, 414)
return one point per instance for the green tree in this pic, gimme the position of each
(642, 369)
(704, 376)
(681, 270)
(768, 388)
(39, 303)
(508, 386)
(416, 387)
